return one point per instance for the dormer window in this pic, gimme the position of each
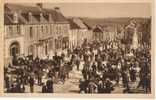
(41, 17)
(57, 9)
(15, 18)
(30, 17)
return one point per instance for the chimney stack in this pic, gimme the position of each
(39, 5)
(57, 9)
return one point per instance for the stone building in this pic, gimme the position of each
(79, 32)
(34, 30)
(104, 33)
(98, 33)
(132, 35)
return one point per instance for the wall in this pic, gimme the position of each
(10, 38)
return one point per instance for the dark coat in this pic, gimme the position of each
(31, 81)
(49, 85)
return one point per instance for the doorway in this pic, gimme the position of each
(14, 49)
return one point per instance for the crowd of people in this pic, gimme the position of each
(103, 66)
(34, 71)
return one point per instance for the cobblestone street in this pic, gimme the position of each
(71, 85)
(48, 51)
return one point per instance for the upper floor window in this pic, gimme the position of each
(58, 30)
(37, 31)
(47, 29)
(10, 30)
(31, 32)
(18, 29)
(42, 29)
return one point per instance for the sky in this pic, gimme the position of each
(102, 10)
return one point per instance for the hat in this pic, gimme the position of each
(107, 79)
(100, 81)
(82, 80)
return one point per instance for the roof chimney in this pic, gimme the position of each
(39, 5)
(57, 9)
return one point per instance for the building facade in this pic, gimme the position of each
(104, 33)
(79, 32)
(34, 31)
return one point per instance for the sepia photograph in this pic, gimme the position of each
(77, 48)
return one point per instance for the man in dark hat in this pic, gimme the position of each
(83, 86)
(49, 85)
(133, 73)
(125, 80)
(100, 87)
(92, 86)
(12, 88)
(31, 83)
(108, 86)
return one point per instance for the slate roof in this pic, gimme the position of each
(76, 23)
(8, 19)
(20, 8)
(73, 25)
(80, 23)
(98, 28)
(23, 12)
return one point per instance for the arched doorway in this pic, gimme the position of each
(14, 49)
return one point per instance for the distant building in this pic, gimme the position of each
(79, 32)
(34, 30)
(112, 32)
(119, 28)
(132, 35)
(98, 33)
(104, 33)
